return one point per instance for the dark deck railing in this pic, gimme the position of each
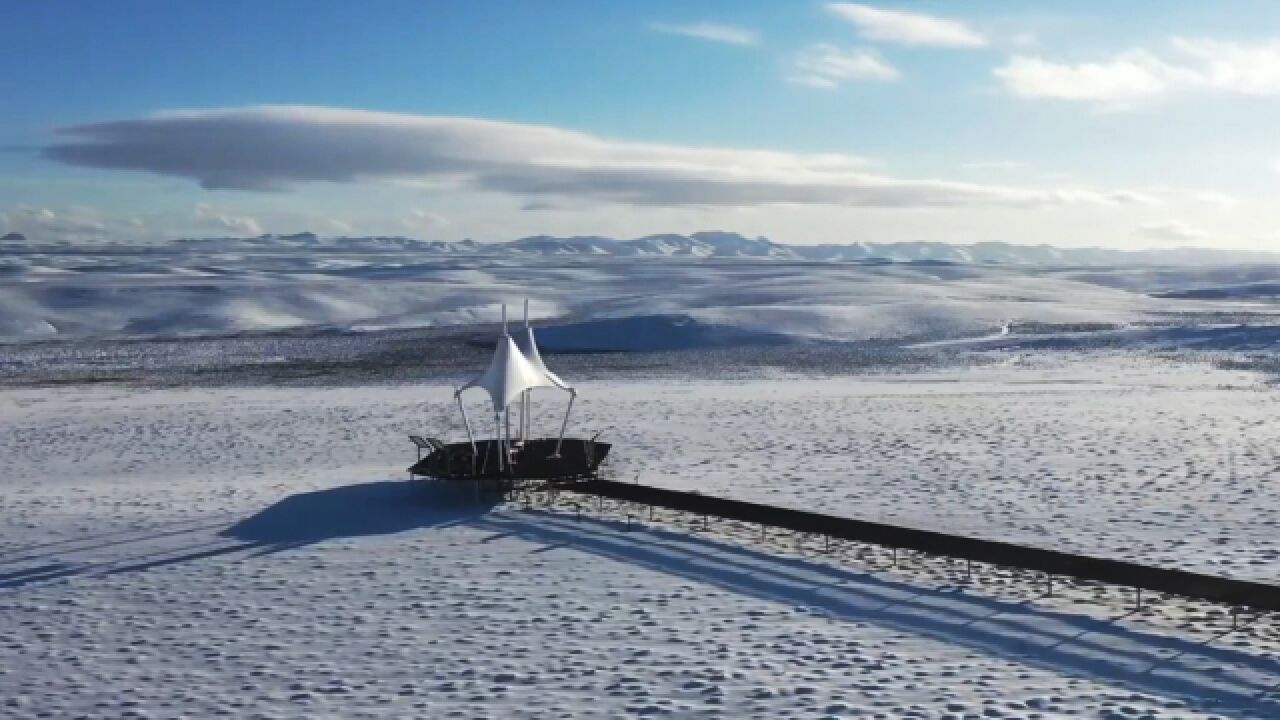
(1052, 562)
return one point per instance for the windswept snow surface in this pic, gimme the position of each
(253, 552)
(192, 290)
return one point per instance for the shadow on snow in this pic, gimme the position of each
(348, 511)
(352, 511)
(1225, 680)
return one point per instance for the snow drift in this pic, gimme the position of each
(681, 299)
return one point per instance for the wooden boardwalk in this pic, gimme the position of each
(1242, 593)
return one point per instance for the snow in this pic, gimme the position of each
(649, 333)
(253, 552)
(708, 244)
(181, 535)
(196, 289)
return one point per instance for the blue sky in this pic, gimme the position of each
(1076, 123)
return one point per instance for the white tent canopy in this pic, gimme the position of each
(515, 369)
(510, 374)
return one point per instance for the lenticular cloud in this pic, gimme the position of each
(278, 147)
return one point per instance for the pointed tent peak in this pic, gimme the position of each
(509, 375)
(529, 348)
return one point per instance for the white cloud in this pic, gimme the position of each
(715, 32)
(907, 28)
(208, 216)
(1130, 76)
(1125, 79)
(276, 148)
(1208, 198)
(827, 66)
(419, 218)
(994, 165)
(1232, 67)
(74, 224)
(1172, 232)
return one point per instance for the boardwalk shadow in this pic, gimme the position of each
(1231, 682)
(39, 573)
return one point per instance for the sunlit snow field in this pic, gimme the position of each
(228, 537)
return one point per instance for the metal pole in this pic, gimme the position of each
(497, 425)
(457, 395)
(573, 395)
(525, 422)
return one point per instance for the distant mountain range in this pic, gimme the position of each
(697, 245)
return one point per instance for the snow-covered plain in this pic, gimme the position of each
(253, 552)
(184, 537)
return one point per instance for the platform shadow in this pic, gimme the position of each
(348, 511)
(359, 510)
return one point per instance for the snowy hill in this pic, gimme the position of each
(755, 289)
(713, 244)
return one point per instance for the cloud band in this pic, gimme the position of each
(277, 147)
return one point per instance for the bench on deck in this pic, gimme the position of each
(426, 443)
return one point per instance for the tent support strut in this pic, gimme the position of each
(573, 395)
